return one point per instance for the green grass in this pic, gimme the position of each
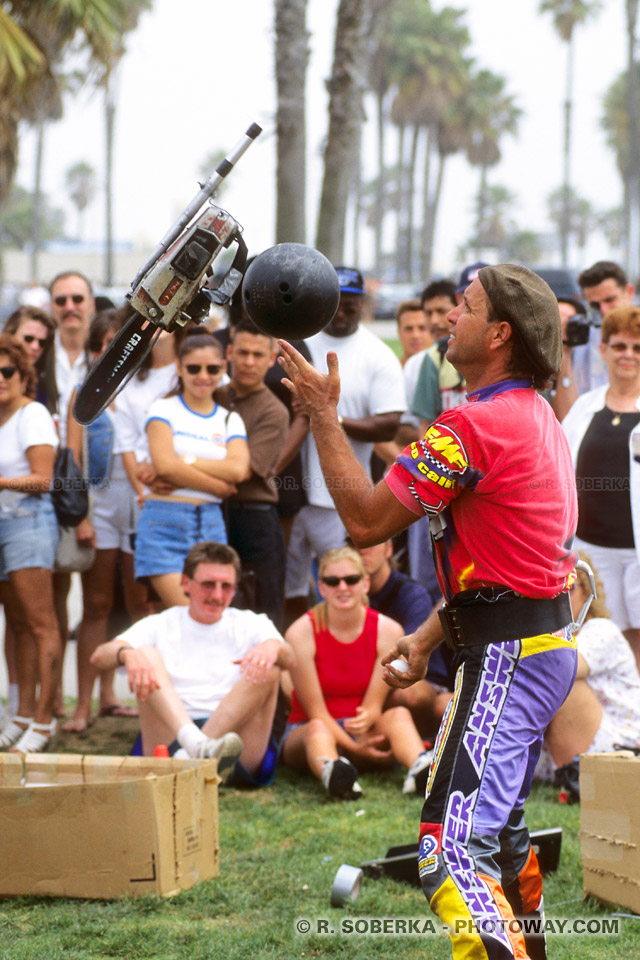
(280, 850)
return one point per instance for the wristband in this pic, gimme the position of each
(125, 646)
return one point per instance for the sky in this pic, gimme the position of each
(198, 72)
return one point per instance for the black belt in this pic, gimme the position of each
(251, 505)
(508, 618)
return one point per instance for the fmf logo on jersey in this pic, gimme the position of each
(448, 446)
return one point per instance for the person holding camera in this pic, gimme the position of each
(603, 429)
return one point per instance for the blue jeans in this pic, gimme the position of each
(167, 531)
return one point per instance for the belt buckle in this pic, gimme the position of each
(452, 631)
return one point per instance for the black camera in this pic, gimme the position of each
(577, 332)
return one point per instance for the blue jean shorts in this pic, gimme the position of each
(28, 535)
(167, 531)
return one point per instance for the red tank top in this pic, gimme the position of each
(344, 669)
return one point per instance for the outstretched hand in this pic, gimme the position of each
(316, 392)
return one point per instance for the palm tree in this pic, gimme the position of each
(579, 219)
(633, 184)
(345, 119)
(567, 14)
(492, 113)
(80, 181)
(615, 121)
(291, 57)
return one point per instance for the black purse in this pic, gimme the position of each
(69, 490)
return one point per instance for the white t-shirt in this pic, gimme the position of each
(132, 408)
(371, 382)
(67, 379)
(410, 372)
(30, 426)
(199, 657)
(198, 435)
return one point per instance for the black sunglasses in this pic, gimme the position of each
(195, 368)
(350, 580)
(29, 338)
(76, 297)
(8, 371)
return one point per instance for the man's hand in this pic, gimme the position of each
(318, 393)
(415, 656)
(260, 660)
(142, 679)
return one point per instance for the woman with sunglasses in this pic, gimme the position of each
(34, 328)
(338, 725)
(603, 429)
(28, 543)
(199, 452)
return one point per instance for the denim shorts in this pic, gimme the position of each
(167, 531)
(28, 535)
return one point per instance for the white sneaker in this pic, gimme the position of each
(340, 779)
(225, 750)
(416, 779)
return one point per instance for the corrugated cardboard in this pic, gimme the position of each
(610, 827)
(105, 827)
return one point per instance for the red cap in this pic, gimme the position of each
(162, 750)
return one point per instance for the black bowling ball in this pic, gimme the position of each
(291, 291)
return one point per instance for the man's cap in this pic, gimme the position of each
(469, 274)
(350, 280)
(528, 303)
(575, 302)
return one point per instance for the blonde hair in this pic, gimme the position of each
(598, 606)
(320, 613)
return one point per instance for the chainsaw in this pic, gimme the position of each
(176, 285)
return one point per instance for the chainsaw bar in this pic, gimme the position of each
(114, 368)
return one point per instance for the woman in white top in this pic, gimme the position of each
(28, 542)
(109, 530)
(200, 451)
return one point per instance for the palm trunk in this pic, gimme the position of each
(428, 252)
(36, 216)
(292, 54)
(565, 222)
(400, 207)
(427, 213)
(633, 239)
(411, 179)
(380, 189)
(109, 117)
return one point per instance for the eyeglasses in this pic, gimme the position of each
(210, 585)
(194, 368)
(77, 298)
(350, 580)
(619, 347)
(29, 338)
(8, 371)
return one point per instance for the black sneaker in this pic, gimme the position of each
(340, 779)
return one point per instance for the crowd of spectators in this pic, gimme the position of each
(205, 450)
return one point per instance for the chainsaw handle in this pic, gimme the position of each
(233, 277)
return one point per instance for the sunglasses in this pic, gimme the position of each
(77, 298)
(8, 371)
(618, 347)
(210, 585)
(29, 338)
(194, 368)
(350, 580)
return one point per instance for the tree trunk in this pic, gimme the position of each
(345, 119)
(36, 217)
(109, 116)
(433, 213)
(409, 200)
(565, 221)
(633, 239)
(401, 224)
(427, 208)
(482, 210)
(380, 200)
(291, 56)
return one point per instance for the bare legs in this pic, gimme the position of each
(169, 589)
(29, 602)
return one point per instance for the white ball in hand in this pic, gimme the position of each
(401, 666)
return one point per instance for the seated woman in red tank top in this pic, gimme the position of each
(337, 724)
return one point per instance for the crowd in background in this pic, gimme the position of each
(206, 444)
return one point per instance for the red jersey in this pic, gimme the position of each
(496, 477)
(344, 669)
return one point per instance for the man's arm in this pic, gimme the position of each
(118, 653)
(416, 648)
(378, 428)
(370, 514)
(258, 662)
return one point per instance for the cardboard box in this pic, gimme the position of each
(105, 827)
(610, 827)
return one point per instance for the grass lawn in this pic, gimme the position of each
(280, 850)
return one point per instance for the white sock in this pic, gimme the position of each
(189, 736)
(12, 700)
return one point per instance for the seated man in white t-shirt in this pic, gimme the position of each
(206, 675)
